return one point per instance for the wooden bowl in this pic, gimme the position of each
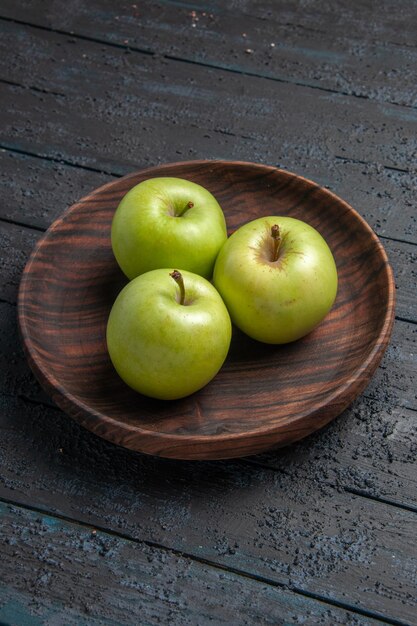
(264, 396)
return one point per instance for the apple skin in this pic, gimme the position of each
(162, 348)
(155, 227)
(276, 301)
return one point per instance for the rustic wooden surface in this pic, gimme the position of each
(323, 531)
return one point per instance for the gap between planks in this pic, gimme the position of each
(211, 65)
(352, 490)
(192, 557)
(46, 157)
(391, 168)
(8, 148)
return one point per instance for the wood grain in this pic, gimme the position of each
(284, 528)
(85, 576)
(264, 396)
(116, 110)
(313, 46)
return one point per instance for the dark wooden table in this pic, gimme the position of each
(321, 532)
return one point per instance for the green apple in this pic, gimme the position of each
(168, 222)
(277, 277)
(168, 333)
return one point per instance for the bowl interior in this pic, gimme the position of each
(72, 280)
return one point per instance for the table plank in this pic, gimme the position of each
(387, 23)
(116, 88)
(35, 191)
(370, 450)
(313, 537)
(349, 20)
(81, 575)
(376, 192)
(312, 47)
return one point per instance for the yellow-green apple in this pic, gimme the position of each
(168, 333)
(168, 222)
(277, 277)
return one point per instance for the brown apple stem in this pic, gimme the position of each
(177, 276)
(189, 205)
(276, 236)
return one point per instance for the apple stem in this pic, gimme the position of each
(177, 276)
(190, 205)
(276, 236)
